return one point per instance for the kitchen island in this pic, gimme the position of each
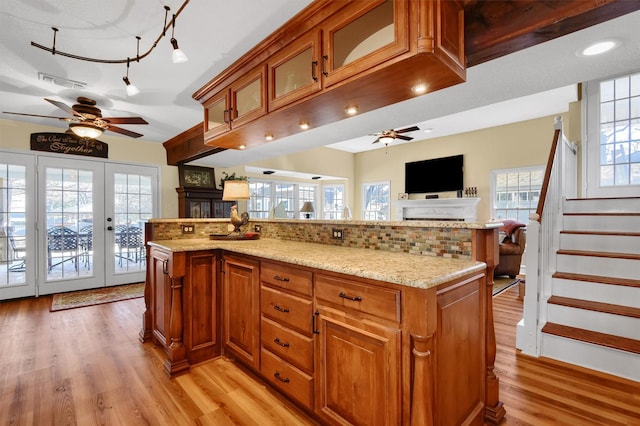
(335, 329)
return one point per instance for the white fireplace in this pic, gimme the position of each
(459, 209)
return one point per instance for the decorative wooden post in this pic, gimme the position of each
(176, 361)
(485, 249)
(145, 332)
(422, 381)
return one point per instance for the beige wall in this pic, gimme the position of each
(15, 135)
(515, 145)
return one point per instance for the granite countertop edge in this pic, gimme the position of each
(419, 271)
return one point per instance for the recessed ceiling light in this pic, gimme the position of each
(599, 48)
(242, 147)
(268, 137)
(419, 89)
(429, 130)
(304, 125)
(352, 110)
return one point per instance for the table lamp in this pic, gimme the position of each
(236, 190)
(307, 209)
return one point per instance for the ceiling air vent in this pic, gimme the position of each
(61, 81)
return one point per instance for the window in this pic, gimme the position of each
(515, 192)
(280, 199)
(613, 136)
(333, 202)
(375, 201)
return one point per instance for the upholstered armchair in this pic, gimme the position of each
(512, 245)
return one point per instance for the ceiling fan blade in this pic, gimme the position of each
(408, 129)
(66, 108)
(376, 141)
(36, 115)
(124, 131)
(404, 138)
(125, 120)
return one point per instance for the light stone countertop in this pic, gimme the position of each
(403, 223)
(398, 268)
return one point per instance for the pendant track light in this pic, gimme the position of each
(178, 56)
(132, 90)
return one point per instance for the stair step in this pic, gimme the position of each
(608, 308)
(597, 279)
(611, 255)
(593, 337)
(610, 205)
(605, 222)
(628, 242)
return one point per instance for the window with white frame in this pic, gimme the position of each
(280, 199)
(260, 203)
(515, 192)
(613, 136)
(376, 201)
(333, 203)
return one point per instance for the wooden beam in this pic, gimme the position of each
(497, 28)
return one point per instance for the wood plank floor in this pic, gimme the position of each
(86, 367)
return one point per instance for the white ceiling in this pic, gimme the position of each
(535, 82)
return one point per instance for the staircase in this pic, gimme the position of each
(593, 311)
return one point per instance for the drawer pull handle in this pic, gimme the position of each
(277, 376)
(352, 298)
(278, 308)
(279, 278)
(278, 342)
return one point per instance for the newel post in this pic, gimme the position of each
(485, 249)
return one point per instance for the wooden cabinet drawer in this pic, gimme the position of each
(287, 344)
(378, 301)
(294, 312)
(287, 277)
(288, 379)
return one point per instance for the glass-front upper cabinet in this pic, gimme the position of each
(244, 101)
(294, 72)
(363, 35)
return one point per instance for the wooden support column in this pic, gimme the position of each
(423, 390)
(176, 361)
(485, 249)
(145, 332)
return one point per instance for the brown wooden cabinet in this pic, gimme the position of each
(358, 369)
(202, 203)
(184, 301)
(333, 55)
(241, 308)
(286, 330)
(243, 101)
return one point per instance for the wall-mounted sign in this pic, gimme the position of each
(65, 143)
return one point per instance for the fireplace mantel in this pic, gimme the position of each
(460, 209)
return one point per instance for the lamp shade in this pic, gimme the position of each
(307, 207)
(235, 190)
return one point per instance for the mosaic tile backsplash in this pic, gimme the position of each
(449, 240)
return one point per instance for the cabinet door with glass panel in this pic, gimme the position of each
(242, 102)
(294, 72)
(363, 35)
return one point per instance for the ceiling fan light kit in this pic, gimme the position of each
(86, 130)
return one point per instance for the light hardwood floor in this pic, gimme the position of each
(86, 367)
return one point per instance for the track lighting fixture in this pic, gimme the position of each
(132, 90)
(178, 56)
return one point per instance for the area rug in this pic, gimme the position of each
(78, 299)
(501, 284)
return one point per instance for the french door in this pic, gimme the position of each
(89, 228)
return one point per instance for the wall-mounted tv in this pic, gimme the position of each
(434, 175)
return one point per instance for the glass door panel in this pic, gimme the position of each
(130, 206)
(70, 258)
(17, 254)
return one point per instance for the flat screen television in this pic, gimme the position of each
(434, 175)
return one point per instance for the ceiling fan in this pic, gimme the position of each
(87, 121)
(387, 136)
